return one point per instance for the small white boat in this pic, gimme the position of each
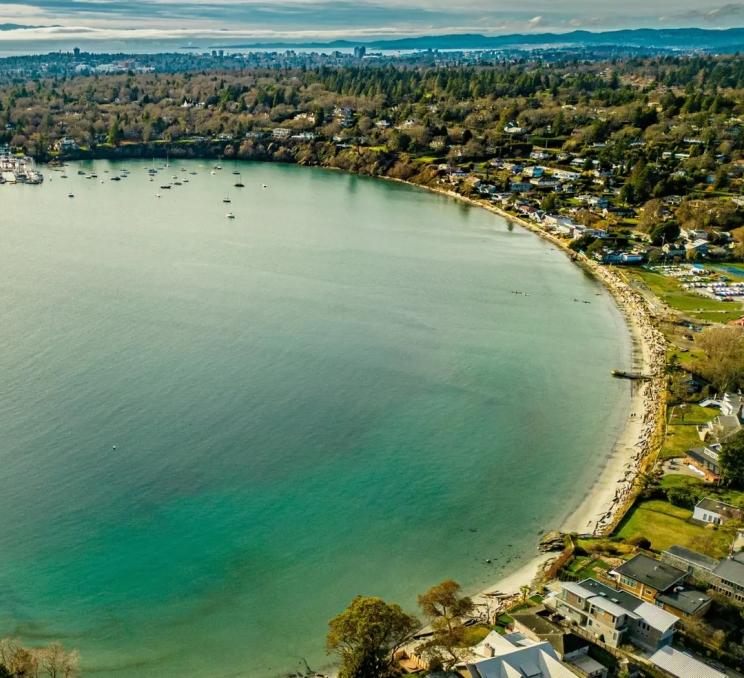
(230, 215)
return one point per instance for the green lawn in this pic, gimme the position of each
(734, 497)
(681, 433)
(690, 304)
(587, 566)
(665, 525)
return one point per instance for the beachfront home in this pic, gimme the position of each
(613, 616)
(538, 624)
(722, 427)
(662, 584)
(514, 654)
(729, 403)
(705, 460)
(716, 512)
(647, 577)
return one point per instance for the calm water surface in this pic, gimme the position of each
(334, 393)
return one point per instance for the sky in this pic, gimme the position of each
(265, 20)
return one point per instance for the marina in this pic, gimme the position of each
(18, 169)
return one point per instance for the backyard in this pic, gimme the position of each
(665, 525)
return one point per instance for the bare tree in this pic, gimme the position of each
(724, 351)
(58, 662)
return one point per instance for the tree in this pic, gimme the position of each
(446, 609)
(366, 636)
(724, 351)
(57, 662)
(731, 460)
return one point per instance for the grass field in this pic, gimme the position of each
(665, 525)
(690, 304)
(733, 497)
(681, 433)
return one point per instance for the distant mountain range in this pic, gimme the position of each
(709, 40)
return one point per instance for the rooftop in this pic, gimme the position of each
(515, 656)
(731, 570)
(621, 602)
(651, 572)
(688, 601)
(622, 598)
(683, 665)
(693, 557)
(721, 508)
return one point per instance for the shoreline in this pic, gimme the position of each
(614, 489)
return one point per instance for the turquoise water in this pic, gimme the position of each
(334, 393)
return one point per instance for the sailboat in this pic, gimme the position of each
(227, 199)
(239, 183)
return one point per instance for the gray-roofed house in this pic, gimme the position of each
(685, 602)
(724, 576)
(647, 577)
(716, 512)
(614, 616)
(706, 460)
(696, 564)
(729, 578)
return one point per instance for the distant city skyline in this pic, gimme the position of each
(47, 22)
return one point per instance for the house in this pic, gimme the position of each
(66, 145)
(729, 403)
(722, 427)
(544, 182)
(281, 132)
(682, 665)
(705, 460)
(512, 128)
(716, 512)
(663, 584)
(696, 564)
(520, 186)
(514, 654)
(614, 616)
(537, 624)
(726, 576)
(698, 246)
(647, 577)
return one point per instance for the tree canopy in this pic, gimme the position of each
(366, 636)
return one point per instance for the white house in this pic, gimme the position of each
(716, 512)
(514, 654)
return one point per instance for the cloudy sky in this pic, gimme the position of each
(222, 20)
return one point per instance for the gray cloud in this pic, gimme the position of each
(338, 18)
